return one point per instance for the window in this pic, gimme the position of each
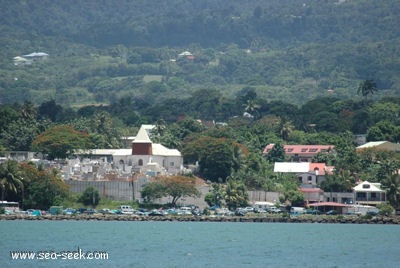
(361, 195)
(366, 186)
(309, 179)
(140, 162)
(304, 150)
(171, 164)
(290, 150)
(300, 179)
(313, 150)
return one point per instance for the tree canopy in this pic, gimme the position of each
(174, 186)
(60, 141)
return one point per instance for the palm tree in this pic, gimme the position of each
(286, 128)
(392, 184)
(28, 110)
(235, 194)
(366, 88)
(9, 178)
(252, 107)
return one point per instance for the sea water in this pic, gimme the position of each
(198, 244)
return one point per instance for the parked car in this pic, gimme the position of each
(240, 212)
(107, 211)
(249, 209)
(274, 210)
(156, 212)
(314, 211)
(69, 211)
(196, 212)
(372, 213)
(331, 212)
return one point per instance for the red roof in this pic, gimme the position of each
(324, 204)
(311, 190)
(301, 149)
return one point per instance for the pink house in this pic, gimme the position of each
(302, 153)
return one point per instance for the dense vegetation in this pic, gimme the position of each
(289, 51)
(280, 71)
(229, 151)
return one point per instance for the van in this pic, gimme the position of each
(56, 210)
(125, 209)
(294, 211)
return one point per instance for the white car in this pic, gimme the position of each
(274, 210)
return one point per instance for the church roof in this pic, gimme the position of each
(143, 134)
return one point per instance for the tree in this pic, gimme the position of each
(340, 181)
(177, 186)
(346, 156)
(215, 196)
(392, 184)
(60, 141)
(19, 134)
(42, 187)
(214, 155)
(367, 87)
(236, 194)
(10, 179)
(384, 131)
(276, 154)
(28, 110)
(90, 197)
(49, 110)
(286, 128)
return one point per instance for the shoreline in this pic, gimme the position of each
(277, 219)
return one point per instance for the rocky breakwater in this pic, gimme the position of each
(275, 218)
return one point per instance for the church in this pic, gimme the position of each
(144, 156)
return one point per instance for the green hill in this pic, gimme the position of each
(101, 51)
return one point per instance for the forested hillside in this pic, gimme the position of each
(101, 51)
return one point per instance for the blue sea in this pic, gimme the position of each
(197, 244)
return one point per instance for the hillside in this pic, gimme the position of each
(100, 51)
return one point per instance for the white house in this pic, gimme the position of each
(368, 193)
(143, 157)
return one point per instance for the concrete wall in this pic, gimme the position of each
(123, 191)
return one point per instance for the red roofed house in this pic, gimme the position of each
(316, 174)
(313, 195)
(302, 153)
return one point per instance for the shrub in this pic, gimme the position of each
(90, 197)
(385, 209)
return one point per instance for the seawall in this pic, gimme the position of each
(308, 219)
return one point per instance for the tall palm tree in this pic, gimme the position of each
(252, 107)
(286, 128)
(392, 184)
(367, 87)
(10, 179)
(28, 110)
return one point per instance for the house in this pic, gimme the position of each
(21, 61)
(368, 193)
(380, 145)
(309, 174)
(302, 153)
(315, 175)
(312, 195)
